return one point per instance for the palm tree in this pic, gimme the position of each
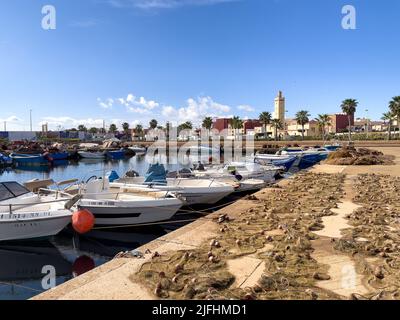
(265, 118)
(113, 128)
(236, 124)
(323, 121)
(153, 124)
(93, 130)
(349, 107)
(389, 117)
(277, 124)
(302, 118)
(394, 106)
(139, 131)
(81, 127)
(185, 126)
(125, 127)
(207, 124)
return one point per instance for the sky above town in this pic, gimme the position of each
(181, 60)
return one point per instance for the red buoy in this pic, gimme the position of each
(82, 265)
(82, 221)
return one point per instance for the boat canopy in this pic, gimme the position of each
(10, 190)
(156, 174)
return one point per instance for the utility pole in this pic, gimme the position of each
(367, 123)
(30, 118)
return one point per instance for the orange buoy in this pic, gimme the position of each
(82, 265)
(82, 221)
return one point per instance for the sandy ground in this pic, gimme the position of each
(111, 281)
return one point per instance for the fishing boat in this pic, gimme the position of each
(190, 191)
(116, 154)
(286, 161)
(308, 157)
(26, 215)
(57, 155)
(240, 170)
(138, 149)
(5, 160)
(29, 159)
(92, 155)
(129, 205)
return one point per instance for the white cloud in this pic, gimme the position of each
(138, 104)
(196, 110)
(107, 104)
(164, 4)
(247, 108)
(11, 119)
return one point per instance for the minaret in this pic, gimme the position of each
(280, 108)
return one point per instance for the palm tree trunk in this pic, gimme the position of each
(390, 131)
(302, 132)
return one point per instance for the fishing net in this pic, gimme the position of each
(277, 229)
(358, 157)
(374, 242)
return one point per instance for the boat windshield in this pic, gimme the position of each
(9, 190)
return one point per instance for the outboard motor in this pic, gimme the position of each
(132, 174)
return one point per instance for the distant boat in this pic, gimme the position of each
(29, 159)
(5, 160)
(286, 161)
(138, 149)
(117, 154)
(58, 155)
(92, 155)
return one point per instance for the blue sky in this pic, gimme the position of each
(178, 60)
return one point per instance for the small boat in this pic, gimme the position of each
(308, 157)
(5, 160)
(29, 159)
(26, 215)
(115, 155)
(190, 191)
(57, 156)
(138, 149)
(241, 171)
(286, 161)
(92, 155)
(123, 206)
(333, 147)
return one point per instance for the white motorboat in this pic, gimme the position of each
(190, 191)
(26, 215)
(129, 205)
(241, 171)
(92, 155)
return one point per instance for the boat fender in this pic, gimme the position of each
(83, 221)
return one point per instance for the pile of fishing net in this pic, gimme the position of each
(357, 157)
(374, 240)
(277, 229)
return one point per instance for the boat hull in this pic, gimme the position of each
(111, 215)
(92, 155)
(29, 160)
(24, 229)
